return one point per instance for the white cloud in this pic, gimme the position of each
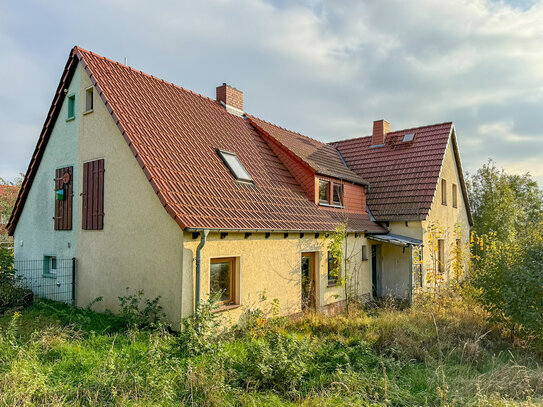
(327, 69)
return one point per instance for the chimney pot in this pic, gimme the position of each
(230, 96)
(380, 130)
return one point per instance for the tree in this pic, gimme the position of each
(503, 204)
(8, 195)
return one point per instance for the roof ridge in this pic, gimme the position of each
(291, 131)
(145, 74)
(392, 132)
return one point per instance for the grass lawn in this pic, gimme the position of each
(53, 354)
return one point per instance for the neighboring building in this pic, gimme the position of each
(7, 196)
(154, 187)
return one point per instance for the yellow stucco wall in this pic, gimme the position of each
(140, 246)
(271, 266)
(446, 216)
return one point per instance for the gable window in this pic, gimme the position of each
(71, 107)
(338, 195)
(49, 266)
(222, 280)
(233, 163)
(443, 192)
(63, 198)
(93, 195)
(441, 255)
(455, 196)
(89, 100)
(333, 270)
(324, 191)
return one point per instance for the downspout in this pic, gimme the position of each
(410, 275)
(202, 243)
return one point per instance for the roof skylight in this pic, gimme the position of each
(408, 137)
(237, 169)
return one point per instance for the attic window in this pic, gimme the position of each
(231, 160)
(408, 137)
(89, 102)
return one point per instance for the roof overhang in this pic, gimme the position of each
(396, 240)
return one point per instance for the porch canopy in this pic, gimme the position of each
(396, 240)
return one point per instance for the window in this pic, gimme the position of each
(364, 252)
(63, 198)
(234, 165)
(455, 195)
(408, 137)
(333, 270)
(93, 195)
(443, 192)
(89, 100)
(441, 255)
(338, 194)
(324, 191)
(49, 266)
(222, 281)
(71, 107)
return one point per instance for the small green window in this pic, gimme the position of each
(71, 107)
(49, 266)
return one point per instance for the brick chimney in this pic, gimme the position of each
(230, 96)
(380, 130)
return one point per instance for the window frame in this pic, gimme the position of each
(443, 192)
(70, 107)
(341, 195)
(332, 281)
(328, 184)
(89, 90)
(50, 263)
(233, 280)
(239, 177)
(441, 255)
(455, 195)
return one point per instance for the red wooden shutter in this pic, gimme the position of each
(63, 208)
(93, 195)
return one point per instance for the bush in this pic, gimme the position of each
(141, 312)
(199, 331)
(12, 293)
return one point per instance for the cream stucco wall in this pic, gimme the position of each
(271, 266)
(140, 246)
(446, 216)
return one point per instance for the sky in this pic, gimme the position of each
(327, 69)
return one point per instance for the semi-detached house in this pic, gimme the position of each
(154, 187)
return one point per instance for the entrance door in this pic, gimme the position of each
(376, 270)
(309, 292)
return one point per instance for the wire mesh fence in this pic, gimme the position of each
(50, 277)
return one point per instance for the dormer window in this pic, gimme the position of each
(330, 193)
(337, 199)
(231, 160)
(324, 192)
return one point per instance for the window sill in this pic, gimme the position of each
(332, 206)
(227, 307)
(69, 119)
(88, 111)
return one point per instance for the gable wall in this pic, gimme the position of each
(140, 246)
(34, 235)
(446, 216)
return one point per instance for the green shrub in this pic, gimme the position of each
(200, 331)
(12, 292)
(140, 311)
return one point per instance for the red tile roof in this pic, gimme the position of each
(403, 176)
(174, 133)
(323, 158)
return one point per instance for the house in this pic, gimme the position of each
(417, 190)
(151, 186)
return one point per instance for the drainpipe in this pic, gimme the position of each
(203, 240)
(410, 275)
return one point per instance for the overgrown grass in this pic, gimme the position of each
(53, 354)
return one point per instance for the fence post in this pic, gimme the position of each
(73, 281)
